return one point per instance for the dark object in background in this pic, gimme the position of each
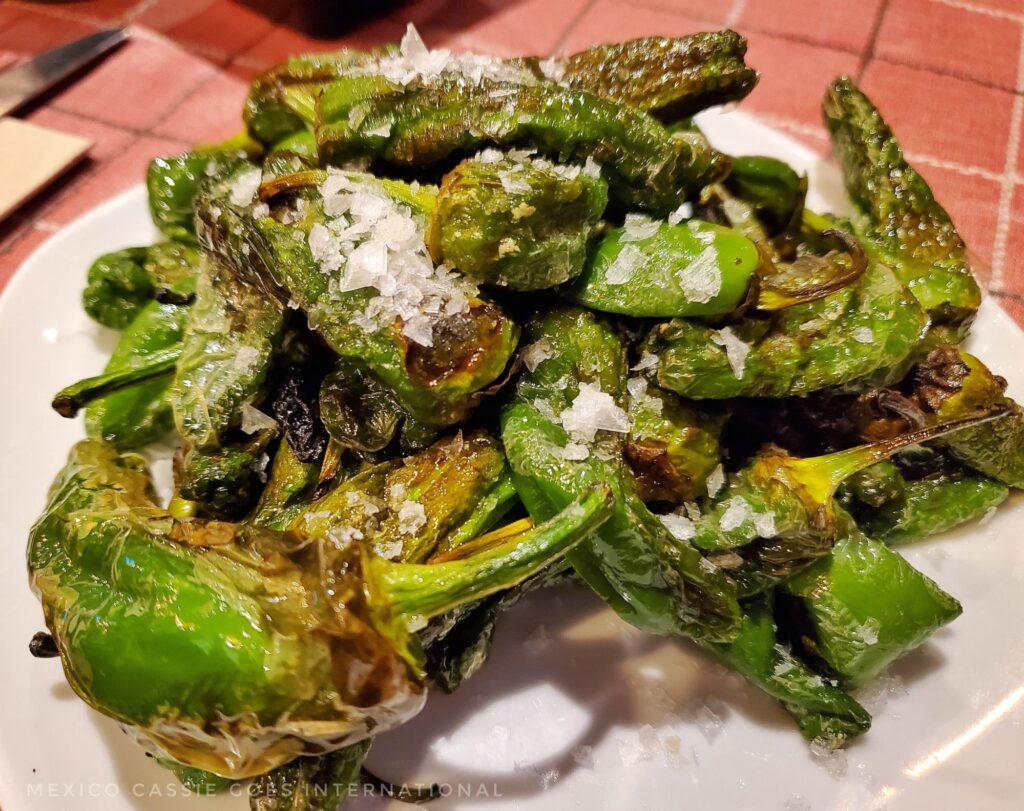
(322, 19)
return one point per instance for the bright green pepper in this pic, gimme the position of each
(523, 223)
(420, 125)
(235, 649)
(670, 77)
(897, 215)
(652, 579)
(868, 606)
(140, 413)
(654, 269)
(438, 373)
(864, 329)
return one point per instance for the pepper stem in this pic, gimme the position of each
(404, 595)
(820, 476)
(71, 399)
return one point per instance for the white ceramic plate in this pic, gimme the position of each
(574, 708)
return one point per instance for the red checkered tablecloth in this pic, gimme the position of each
(948, 74)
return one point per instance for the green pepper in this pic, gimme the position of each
(865, 329)
(897, 215)
(949, 383)
(670, 77)
(172, 183)
(518, 222)
(772, 188)
(422, 124)
(672, 447)
(374, 295)
(655, 269)
(868, 606)
(134, 415)
(358, 411)
(310, 783)
(235, 649)
(120, 284)
(652, 579)
(289, 482)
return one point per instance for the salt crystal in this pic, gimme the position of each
(575, 452)
(538, 641)
(584, 756)
(411, 517)
(708, 720)
(254, 420)
(591, 168)
(412, 45)
(736, 350)
(382, 130)
(547, 778)
(680, 526)
(862, 335)
(868, 632)
(246, 358)
(536, 353)
(647, 361)
(552, 68)
(833, 760)
(874, 695)
(701, 279)
(737, 512)
(244, 187)
(420, 330)
(637, 227)
(591, 411)
(624, 265)
(388, 549)
(764, 525)
(716, 481)
(684, 212)
(260, 210)
(343, 535)
(797, 802)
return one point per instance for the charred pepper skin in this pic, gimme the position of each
(645, 166)
(861, 331)
(897, 215)
(521, 223)
(179, 630)
(669, 77)
(651, 579)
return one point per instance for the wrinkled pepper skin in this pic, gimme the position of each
(645, 166)
(133, 416)
(121, 283)
(230, 337)
(824, 713)
(518, 223)
(950, 383)
(320, 783)
(651, 579)
(693, 269)
(897, 215)
(670, 77)
(932, 506)
(448, 479)
(862, 330)
(437, 385)
(672, 447)
(359, 412)
(234, 649)
(289, 483)
(868, 607)
(772, 188)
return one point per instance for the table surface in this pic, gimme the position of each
(947, 74)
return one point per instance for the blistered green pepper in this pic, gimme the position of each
(865, 329)
(897, 215)
(868, 606)
(652, 579)
(319, 783)
(138, 410)
(772, 188)
(672, 447)
(656, 269)
(670, 77)
(235, 649)
(120, 284)
(516, 221)
(422, 124)
(373, 295)
(289, 482)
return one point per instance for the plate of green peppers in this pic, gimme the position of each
(513, 433)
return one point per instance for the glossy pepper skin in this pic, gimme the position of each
(949, 383)
(438, 384)
(650, 578)
(645, 166)
(654, 269)
(864, 330)
(134, 416)
(235, 649)
(868, 606)
(518, 222)
(121, 283)
(897, 215)
(672, 446)
(289, 483)
(669, 77)
(772, 188)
